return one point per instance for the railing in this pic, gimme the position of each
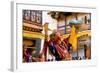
(79, 34)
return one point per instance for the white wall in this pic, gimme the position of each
(52, 22)
(81, 53)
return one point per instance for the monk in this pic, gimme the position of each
(58, 47)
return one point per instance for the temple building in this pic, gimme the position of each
(32, 29)
(82, 23)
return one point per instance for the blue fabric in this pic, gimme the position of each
(54, 52)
